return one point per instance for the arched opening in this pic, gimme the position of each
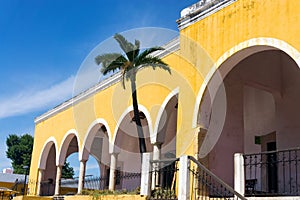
(68, 157)
(166, 133)
(97, 169)
(166, 142)
(126, 147)
(260, 96)
(48, 167)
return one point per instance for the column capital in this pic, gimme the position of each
(115, 153)
(83, 160)
(157, 143)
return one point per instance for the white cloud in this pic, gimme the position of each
(28, 101)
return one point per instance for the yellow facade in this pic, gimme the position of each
(204, 46)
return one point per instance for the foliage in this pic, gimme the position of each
(98, 193)
(129, 63)
(67, 171)
(19, 150)
(161, 193)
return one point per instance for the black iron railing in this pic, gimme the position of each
(90, 183)
(69, 183)
(124, 181)
(273, 173)
(207, 185)
(128, 181)
(96, 183)
(163, 175)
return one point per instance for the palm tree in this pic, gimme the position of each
(129, 63)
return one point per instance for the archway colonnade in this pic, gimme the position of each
(120, 152)
(235, 76)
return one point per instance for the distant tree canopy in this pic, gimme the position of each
(67, 171)
(19, 150)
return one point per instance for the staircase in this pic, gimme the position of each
(58, 198)
(206, 185)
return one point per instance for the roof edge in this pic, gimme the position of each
(200, 10)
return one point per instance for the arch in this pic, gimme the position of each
(253, 77)
(127, 111)
(153, 136)
(45, 151)
(65, 144)
(244, 49)
(87, 143)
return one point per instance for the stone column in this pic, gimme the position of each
(145, 176)
(155, 167)
(112, 173)
(40, 178)
(239, 174)
(156, 151)
(184, 178)
(81, 176)
(57, 181)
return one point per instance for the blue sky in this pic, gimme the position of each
(44, 42)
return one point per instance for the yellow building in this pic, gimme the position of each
(233, 89)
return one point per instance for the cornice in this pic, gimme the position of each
(200, 10)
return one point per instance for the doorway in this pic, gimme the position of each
(269, 144)
(272, 167)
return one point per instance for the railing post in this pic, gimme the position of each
(184, 178)
(239, 173)
(145, 176)
(156, 166)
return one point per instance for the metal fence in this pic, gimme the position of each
(206, 185)
(90, 183)
(124, 181)
(128, 181)
(273, 173)
(164, 173)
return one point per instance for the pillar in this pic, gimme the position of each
(239, 174)
(81, 176)
(40, 178)
(156, 151)
(58, 177)
(155, 167)
(184, 178)
(112, 173)
(145, 176)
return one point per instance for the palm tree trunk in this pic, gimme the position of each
(137, 119)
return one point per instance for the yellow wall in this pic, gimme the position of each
(204, 45)
(10, 186)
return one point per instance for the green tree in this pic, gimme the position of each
(67, 171)
(129, 63)
(19, 149)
